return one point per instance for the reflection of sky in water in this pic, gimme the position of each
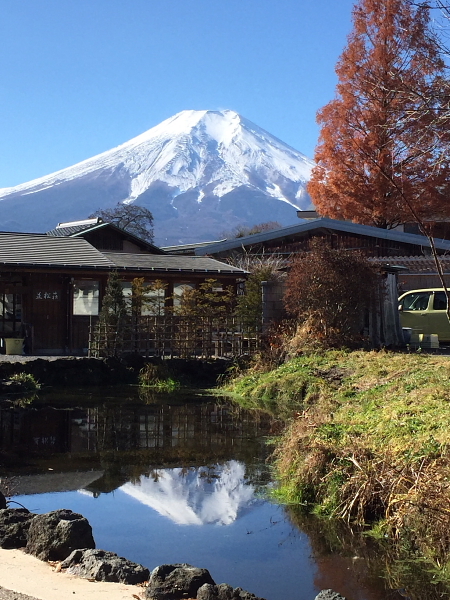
(162, 524)
(197, 496)
(169, 521)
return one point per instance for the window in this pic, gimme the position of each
(178, 290)
(440, 301)
(126, 291)
(416, 301)
(153, 301)
(10, 312)
(85, 297)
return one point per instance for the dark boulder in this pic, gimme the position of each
(241, 594)
(3, 503)
(104, 566)
(170, 582)
(223, 591)
(329, 595)
(14, 526)
(207, 592)
(54, 535)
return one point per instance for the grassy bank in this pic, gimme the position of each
(366, 440)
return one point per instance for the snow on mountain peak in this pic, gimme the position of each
(201, 154)
(179, 149)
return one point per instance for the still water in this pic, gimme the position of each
(176, 479)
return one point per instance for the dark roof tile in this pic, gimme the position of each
(417, 264)
(166, 263)
(32, 249)
(69, 231)
(322, 223)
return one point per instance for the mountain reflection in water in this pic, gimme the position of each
(196, 496)
(178, 480)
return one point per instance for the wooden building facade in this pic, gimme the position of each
(51, 287)
(285, 242)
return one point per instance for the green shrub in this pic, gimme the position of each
(26, 381)
(158, 377)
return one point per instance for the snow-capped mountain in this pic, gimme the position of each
(192, 498)
(199, 172)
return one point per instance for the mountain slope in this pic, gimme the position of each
(199, 172)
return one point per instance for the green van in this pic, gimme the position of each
(424, 311)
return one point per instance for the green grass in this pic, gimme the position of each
(158, 377)
(166, 385)
(367, 439)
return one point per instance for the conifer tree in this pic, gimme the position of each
(113, 319)
(382, 157)
(114, 308)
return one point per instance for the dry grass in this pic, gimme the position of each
(367, 441)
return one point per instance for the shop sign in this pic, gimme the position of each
(44, 295)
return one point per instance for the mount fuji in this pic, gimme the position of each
(199, 172)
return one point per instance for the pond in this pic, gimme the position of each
(177, 479)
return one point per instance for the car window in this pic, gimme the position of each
(440, 301)
(416, 301)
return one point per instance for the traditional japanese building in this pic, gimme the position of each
(287, 241)
(51, 286)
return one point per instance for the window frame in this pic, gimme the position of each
(92, 306)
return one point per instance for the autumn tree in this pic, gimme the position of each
(328, 293)
(147, 298)
(138, 220)
(382, 157)
(209, 299)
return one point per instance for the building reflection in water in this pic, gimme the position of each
(194, 463)
(126, 441)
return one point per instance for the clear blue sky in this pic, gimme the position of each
(79, 77)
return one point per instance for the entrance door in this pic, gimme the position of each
(49, 314)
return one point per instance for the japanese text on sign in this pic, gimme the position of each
(41, 295)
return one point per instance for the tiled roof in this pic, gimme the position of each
(38, 250)
(80, 230)
(32, 249)
(45, 483)
(187, 248)
(170, 263)
(417, 264)
(322, 224)
(69, 231)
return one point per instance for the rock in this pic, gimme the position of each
(225, 591)
(54, 535)
(329, 595)
(104, 566)
(14, 526)
(241, 594)
(2, 501)
(207, 592)
(170, 582)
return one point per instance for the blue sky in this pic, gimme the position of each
(79, 77)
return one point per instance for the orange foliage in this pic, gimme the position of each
(383, 141)
(329, 293)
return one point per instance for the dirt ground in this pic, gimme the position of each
(24, 577)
